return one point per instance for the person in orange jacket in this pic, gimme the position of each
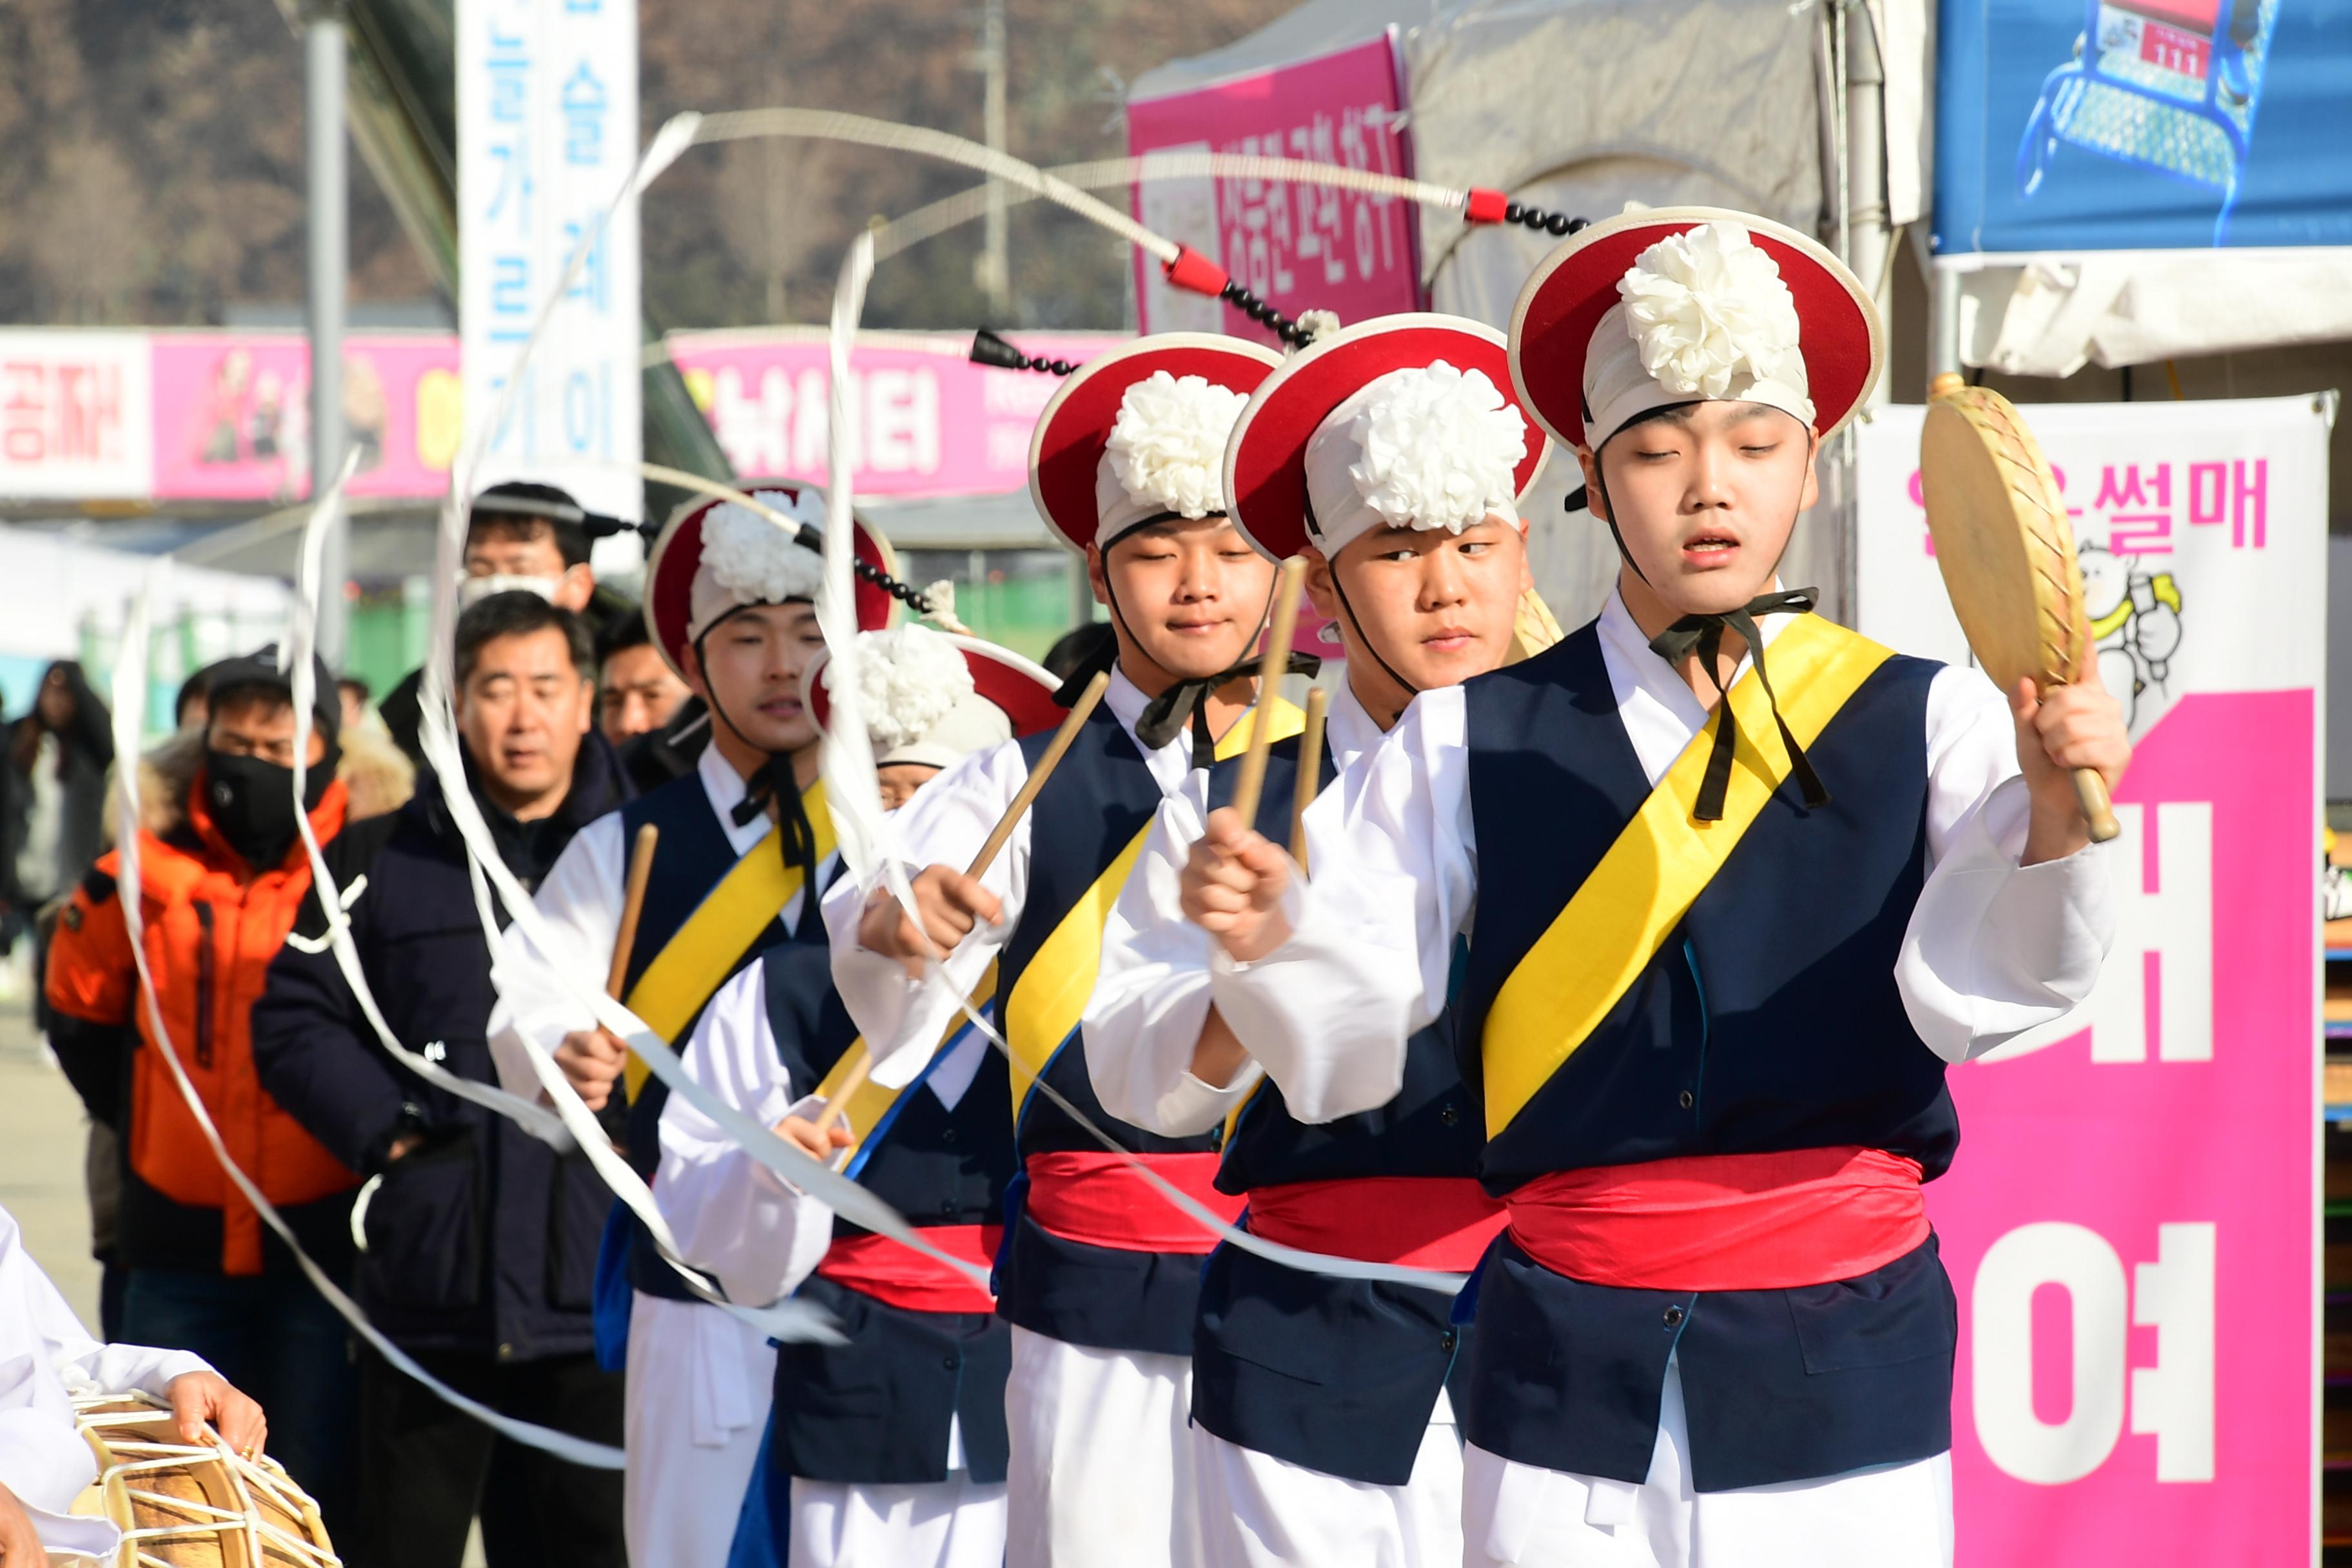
(222, 875)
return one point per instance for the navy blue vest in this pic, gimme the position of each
(877, 1411)
(693, 857)
(1101, 797)
(1769, 1021)
(1338, 1376)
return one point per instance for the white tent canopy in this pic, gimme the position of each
(1580, 106)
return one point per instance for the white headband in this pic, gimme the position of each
(1426, 446)
(1705, 316)
(748, 560)
(920, 703)
(1166, 453)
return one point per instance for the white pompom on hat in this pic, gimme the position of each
(1406, 421)
(747, 559)
(1427, 446)
(715, 556)
(931, 698)
(1167, 403)
(1673, 305)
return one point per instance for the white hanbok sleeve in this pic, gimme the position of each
(46, 1354)
(1151, 994)
(1994, 948)
(581, 903)
(732, 1215)
(945, 824)
(1394, 876)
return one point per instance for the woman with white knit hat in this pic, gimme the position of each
(1726, 946)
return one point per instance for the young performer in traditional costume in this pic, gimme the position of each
(893, 1446)
(729, 603)
(1393, 457)
(1724, 948)
(1099, 1275)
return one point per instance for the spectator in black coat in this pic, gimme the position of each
(480, 1240)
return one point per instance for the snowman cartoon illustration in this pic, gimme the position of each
(2136, 626)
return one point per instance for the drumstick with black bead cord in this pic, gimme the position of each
(1080, 711)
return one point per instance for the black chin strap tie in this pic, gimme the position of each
(1186, 703)
(795, 838)
(1703, 635)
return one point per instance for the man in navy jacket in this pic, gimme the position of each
(480, 1240)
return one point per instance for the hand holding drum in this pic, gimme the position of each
(2007, 554)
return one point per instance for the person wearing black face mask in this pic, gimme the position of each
(222, 876)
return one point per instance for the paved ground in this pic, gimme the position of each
(42, 1141)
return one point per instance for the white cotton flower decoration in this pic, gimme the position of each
(909, 679)
(758, 561)
(1706, 305)
(1168, 446)
(1437, 448)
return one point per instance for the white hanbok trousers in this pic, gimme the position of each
(1258, 1512)
(954, 1523)
(698, 1388)
(1101, 1463)
(1891, 1516)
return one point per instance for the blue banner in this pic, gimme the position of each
(2066, 125)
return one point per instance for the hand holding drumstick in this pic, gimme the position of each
(1234, 878)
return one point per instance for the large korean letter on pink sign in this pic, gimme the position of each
(2132, 1224)
(1296, 247)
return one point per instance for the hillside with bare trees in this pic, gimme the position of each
(153, 173)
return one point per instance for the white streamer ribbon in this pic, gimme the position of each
(130, 694)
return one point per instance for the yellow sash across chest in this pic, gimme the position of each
(701, 953)
(1051, 994)
(1615, 923)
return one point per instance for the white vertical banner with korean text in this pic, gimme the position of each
(547, 132)
(2131, 1222)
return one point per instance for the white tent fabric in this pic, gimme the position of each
(1580, 106)
(2052, 315)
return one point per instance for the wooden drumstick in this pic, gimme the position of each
(614, 1113)
(853, 1080)
(1270, 666)
(1310, 770)
(2098, 811)
(632, 906)
(1079, 712)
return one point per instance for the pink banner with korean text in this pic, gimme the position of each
(1296, 247)
(233, 413)
(2132, 1224)
(928, 422)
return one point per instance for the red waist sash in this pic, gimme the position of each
(1100, 1199)
(1723, 1222)
(899, 1276)
(1420, 1222)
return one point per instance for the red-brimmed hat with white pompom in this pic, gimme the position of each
(932, 697)
(1406, 420)
(715, 556)
(1139, 434)
(1671, 305)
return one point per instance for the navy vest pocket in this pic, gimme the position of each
(577, 1205)
(1904, 1311)
(424, 1229)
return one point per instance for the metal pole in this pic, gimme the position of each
(1868, 238)
(995, 271)
(1943, 320)
(329, 268)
